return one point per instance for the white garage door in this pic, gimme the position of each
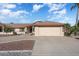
(49, 31)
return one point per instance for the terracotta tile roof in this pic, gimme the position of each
(38, 23)
(18, 25)
(47, 24)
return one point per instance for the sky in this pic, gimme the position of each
(32, 12)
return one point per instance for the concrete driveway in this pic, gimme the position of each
(56, 46)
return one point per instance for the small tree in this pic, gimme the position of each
(76, 32)
(7, 29)
(67, 28)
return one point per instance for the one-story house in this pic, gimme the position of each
(39, 28)
(18, 28)
(48, 28)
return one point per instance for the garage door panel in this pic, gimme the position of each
(49, 31)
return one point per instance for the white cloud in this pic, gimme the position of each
(60, 16)
(19, 13)
(5, 11)
(15, 17)
(62, 19)
(54, 7)
(67, 19)
(22, 11)
(8, 15)
(60, 13)
(8, 12)
(8, 6)
(37, 7)
(38, 20)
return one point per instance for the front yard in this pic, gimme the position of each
(45, 46)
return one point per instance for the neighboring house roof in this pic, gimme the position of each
(1, 24)
(47, 24)
(18, 25)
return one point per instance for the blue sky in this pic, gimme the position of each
(31, 12)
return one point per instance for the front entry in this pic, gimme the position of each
(29, 29)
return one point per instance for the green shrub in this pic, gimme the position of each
(8, 30)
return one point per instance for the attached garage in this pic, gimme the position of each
(48, 29)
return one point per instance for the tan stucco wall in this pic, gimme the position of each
(49, 31)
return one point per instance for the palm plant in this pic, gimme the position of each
(73, 7)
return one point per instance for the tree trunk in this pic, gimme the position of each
(76, 27)
(77, 17)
